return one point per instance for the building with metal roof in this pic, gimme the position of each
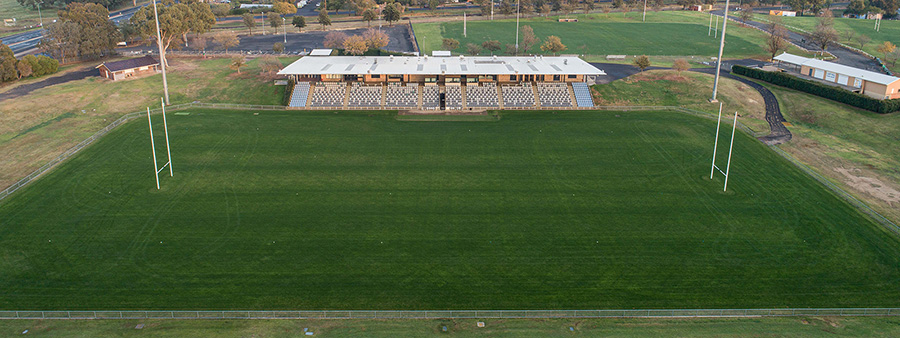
(121, 69)
(874, 84)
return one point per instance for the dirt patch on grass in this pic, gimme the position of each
(871, 186)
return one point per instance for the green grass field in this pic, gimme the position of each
(325, 210)
(664, 33)
(703, 327)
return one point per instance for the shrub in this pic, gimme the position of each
(822, 90)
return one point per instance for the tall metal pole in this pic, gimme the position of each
(283, 28)
(731, 147)
(716, 27)
(517, 27)
(492, 10)
(166, 129)
(709, 32)
(153, 147)
(40, 15)
(644, 17)
(721, 47)
(464, 25)
(162, 58)
(716, 145)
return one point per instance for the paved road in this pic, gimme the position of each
(28, 88)
(844, 55)
(297, 42)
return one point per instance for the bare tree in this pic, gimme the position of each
(862, 40)
(226, 40)
(777, 40)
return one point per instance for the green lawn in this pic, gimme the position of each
(327, 210)
(664, 33)
(727, 327)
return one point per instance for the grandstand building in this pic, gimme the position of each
(440, 82)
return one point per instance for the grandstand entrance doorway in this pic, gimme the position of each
(443, 97)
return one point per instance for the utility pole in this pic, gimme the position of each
(492, 10)
(39, 14)
(644, 17)
(517, 27)
(162, 54)
(283, 28)
(464, 24)
(721, 47)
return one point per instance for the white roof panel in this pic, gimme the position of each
(423, 65)
(441, 53)
(320, 52)
(838, 69)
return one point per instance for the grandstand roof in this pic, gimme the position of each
(837, 68)
(424, 65)
(116, 66)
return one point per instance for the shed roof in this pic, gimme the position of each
(120, 65)
(838, 69)
(425, 65)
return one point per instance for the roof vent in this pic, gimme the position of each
(565, 61)
(461, 57)
(392, 58)
(495, 57)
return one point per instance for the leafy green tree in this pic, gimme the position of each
(176, 20)
(449, 44)
(8, 61)
(324, 19)
(284, 8)
(355, 45)
(299, 22)
(369, 15)
(491, 45)
(278, 47)
(83, 30)
(275, 20)
(237, 63)
(249, 21)
(553, 45)
(642, 62)
(392, 12)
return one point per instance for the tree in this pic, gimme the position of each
(355, 45)
(275, 20)
(176, 20)
(857, 7)
(886, 48)
(61, 40)
(324, 19)
(23, 68)
(777, 41)
(237, 62)
(375, 39)
(46, 65)
(334, 40)
(893, 56)
(8, 61)
(553, 45)
(680, 65)
(449, 44)
(269, 64)
(589, 5)
(849, 34)
(507, 7)
(249, 21)
(606, 10)
(278, 47)
(220, 10)
(199, 43)
(473, 49)
(566, 7)
(284, 8)
(746, 14)
(545, 9)
(642, 62)
(528, 39)
(888, 6)
(369, 15)
(484, 6)
(862, 40)
(491, 45)
(824, 35)
(433, 4)
(226, 40)
(510, 49)
(83, 30)
(392, 12)
(299, 22)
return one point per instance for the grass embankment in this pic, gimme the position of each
(664, 33)
(41, 125)
(857, 149)
(746, 327)
(687, 89)
(356, 210)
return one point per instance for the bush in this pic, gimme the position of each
(819, 89)
(288, 91)
(239, 11)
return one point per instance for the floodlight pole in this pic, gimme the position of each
(716, 144)
(517, 27)
(153, 147)
(464, 24)
(162, 58)
(166, 129)
(283, 29)
(492, 10)
(644, 16)
(730, 148)
(40, 15)
(721, 47)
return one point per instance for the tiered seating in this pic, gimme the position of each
(517, 96)
(453, 97)
(364, 96)
(482, 96)
(398, 95)
(299, 95)
(431, 97)
(554, 94)
(328, 94)
(582, 94)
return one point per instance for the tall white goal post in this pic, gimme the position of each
(156, 169)
(712, 170)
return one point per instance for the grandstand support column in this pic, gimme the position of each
(162, 54)
(721, 47)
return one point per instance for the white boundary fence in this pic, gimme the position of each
(451, 314)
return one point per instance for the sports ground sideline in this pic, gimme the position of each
(357, 210)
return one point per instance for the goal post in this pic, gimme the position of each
(156, 168)
(727, 172)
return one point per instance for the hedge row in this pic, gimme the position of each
(819, 89)
(288, 91)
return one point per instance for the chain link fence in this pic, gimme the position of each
(450, 314)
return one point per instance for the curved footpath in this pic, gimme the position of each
(778, 133)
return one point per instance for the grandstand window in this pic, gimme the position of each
(430, 79)
(333, 76)
(376, 76)
(395, 77)
(573, 76)
(555, 77)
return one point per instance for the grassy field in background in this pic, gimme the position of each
(731, 327)
(664, 33)
(344, 210)
(41, 125)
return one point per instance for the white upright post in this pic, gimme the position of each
(716, 144)
(716, 27)
(644, 16)
(166, 128)
(492, 10)
(721, 48)
(731, 147)
(517, 27)
(162, 55)
(709, 32)
(464, 25)
(153, 147)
